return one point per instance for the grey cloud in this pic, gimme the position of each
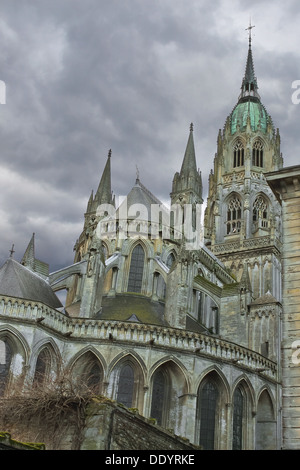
(84, 77)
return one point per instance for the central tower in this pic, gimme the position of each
(242, 223)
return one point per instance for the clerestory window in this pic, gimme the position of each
(136, 270)
(258, 154)
(238, 154)
(234, 216)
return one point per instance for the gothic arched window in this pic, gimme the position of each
(5, 361)
(238, 410)
(260, 212)
(238, 154)
(94, 376)
(207, 408)
(42, 366)
(234, 215)
(126, 385)
(159, 391)
(136, 270)
(258, 154)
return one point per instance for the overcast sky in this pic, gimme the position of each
(83, 77)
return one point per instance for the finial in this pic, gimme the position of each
(12, 251)
(137, 173)
(109, 153)
(250, 27)
(191, 127)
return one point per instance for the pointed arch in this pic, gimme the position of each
(266, 388)
(46, 359)
(238, 153)
(87, 370)
(260, 211)
(265, 437)
(42, 367)
(132, 356)
(136, 269)
(5, 362)
(242, 413)
(258, 153)
(16, 340)
(88, 348)
(234, 214)
(14, 357)
(130, 244)
(126, 380)
(182, 373)
(212, 398)
(169, 387)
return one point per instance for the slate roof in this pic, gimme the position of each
(17, 280)
(132, 307)
(139, 194)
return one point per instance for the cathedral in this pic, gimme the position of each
(175, 314)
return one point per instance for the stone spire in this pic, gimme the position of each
(189, 179)
(249, 84)
(104, 193)
(189, 166)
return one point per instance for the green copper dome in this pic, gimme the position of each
(249, 104)
(255, 110)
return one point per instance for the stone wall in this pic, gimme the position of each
(286, 184)
(7, 443)
(112, 427)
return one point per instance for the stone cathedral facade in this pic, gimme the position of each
(179, 321)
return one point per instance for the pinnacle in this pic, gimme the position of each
(104, 194)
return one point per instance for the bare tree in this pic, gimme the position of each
(52, 411)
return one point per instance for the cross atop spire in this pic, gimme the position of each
(249, 84)
(12, 251)
(250, 27)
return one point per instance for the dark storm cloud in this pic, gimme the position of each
(84, 77)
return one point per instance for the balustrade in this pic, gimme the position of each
(140, 334)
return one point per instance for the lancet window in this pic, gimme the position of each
(260, 212)
(208, 400)
(234, 215)
(159, 390)
(136, 270)
(258, 154)
(238, 154)
(238, 410)
(42, 366)
(126, 385)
